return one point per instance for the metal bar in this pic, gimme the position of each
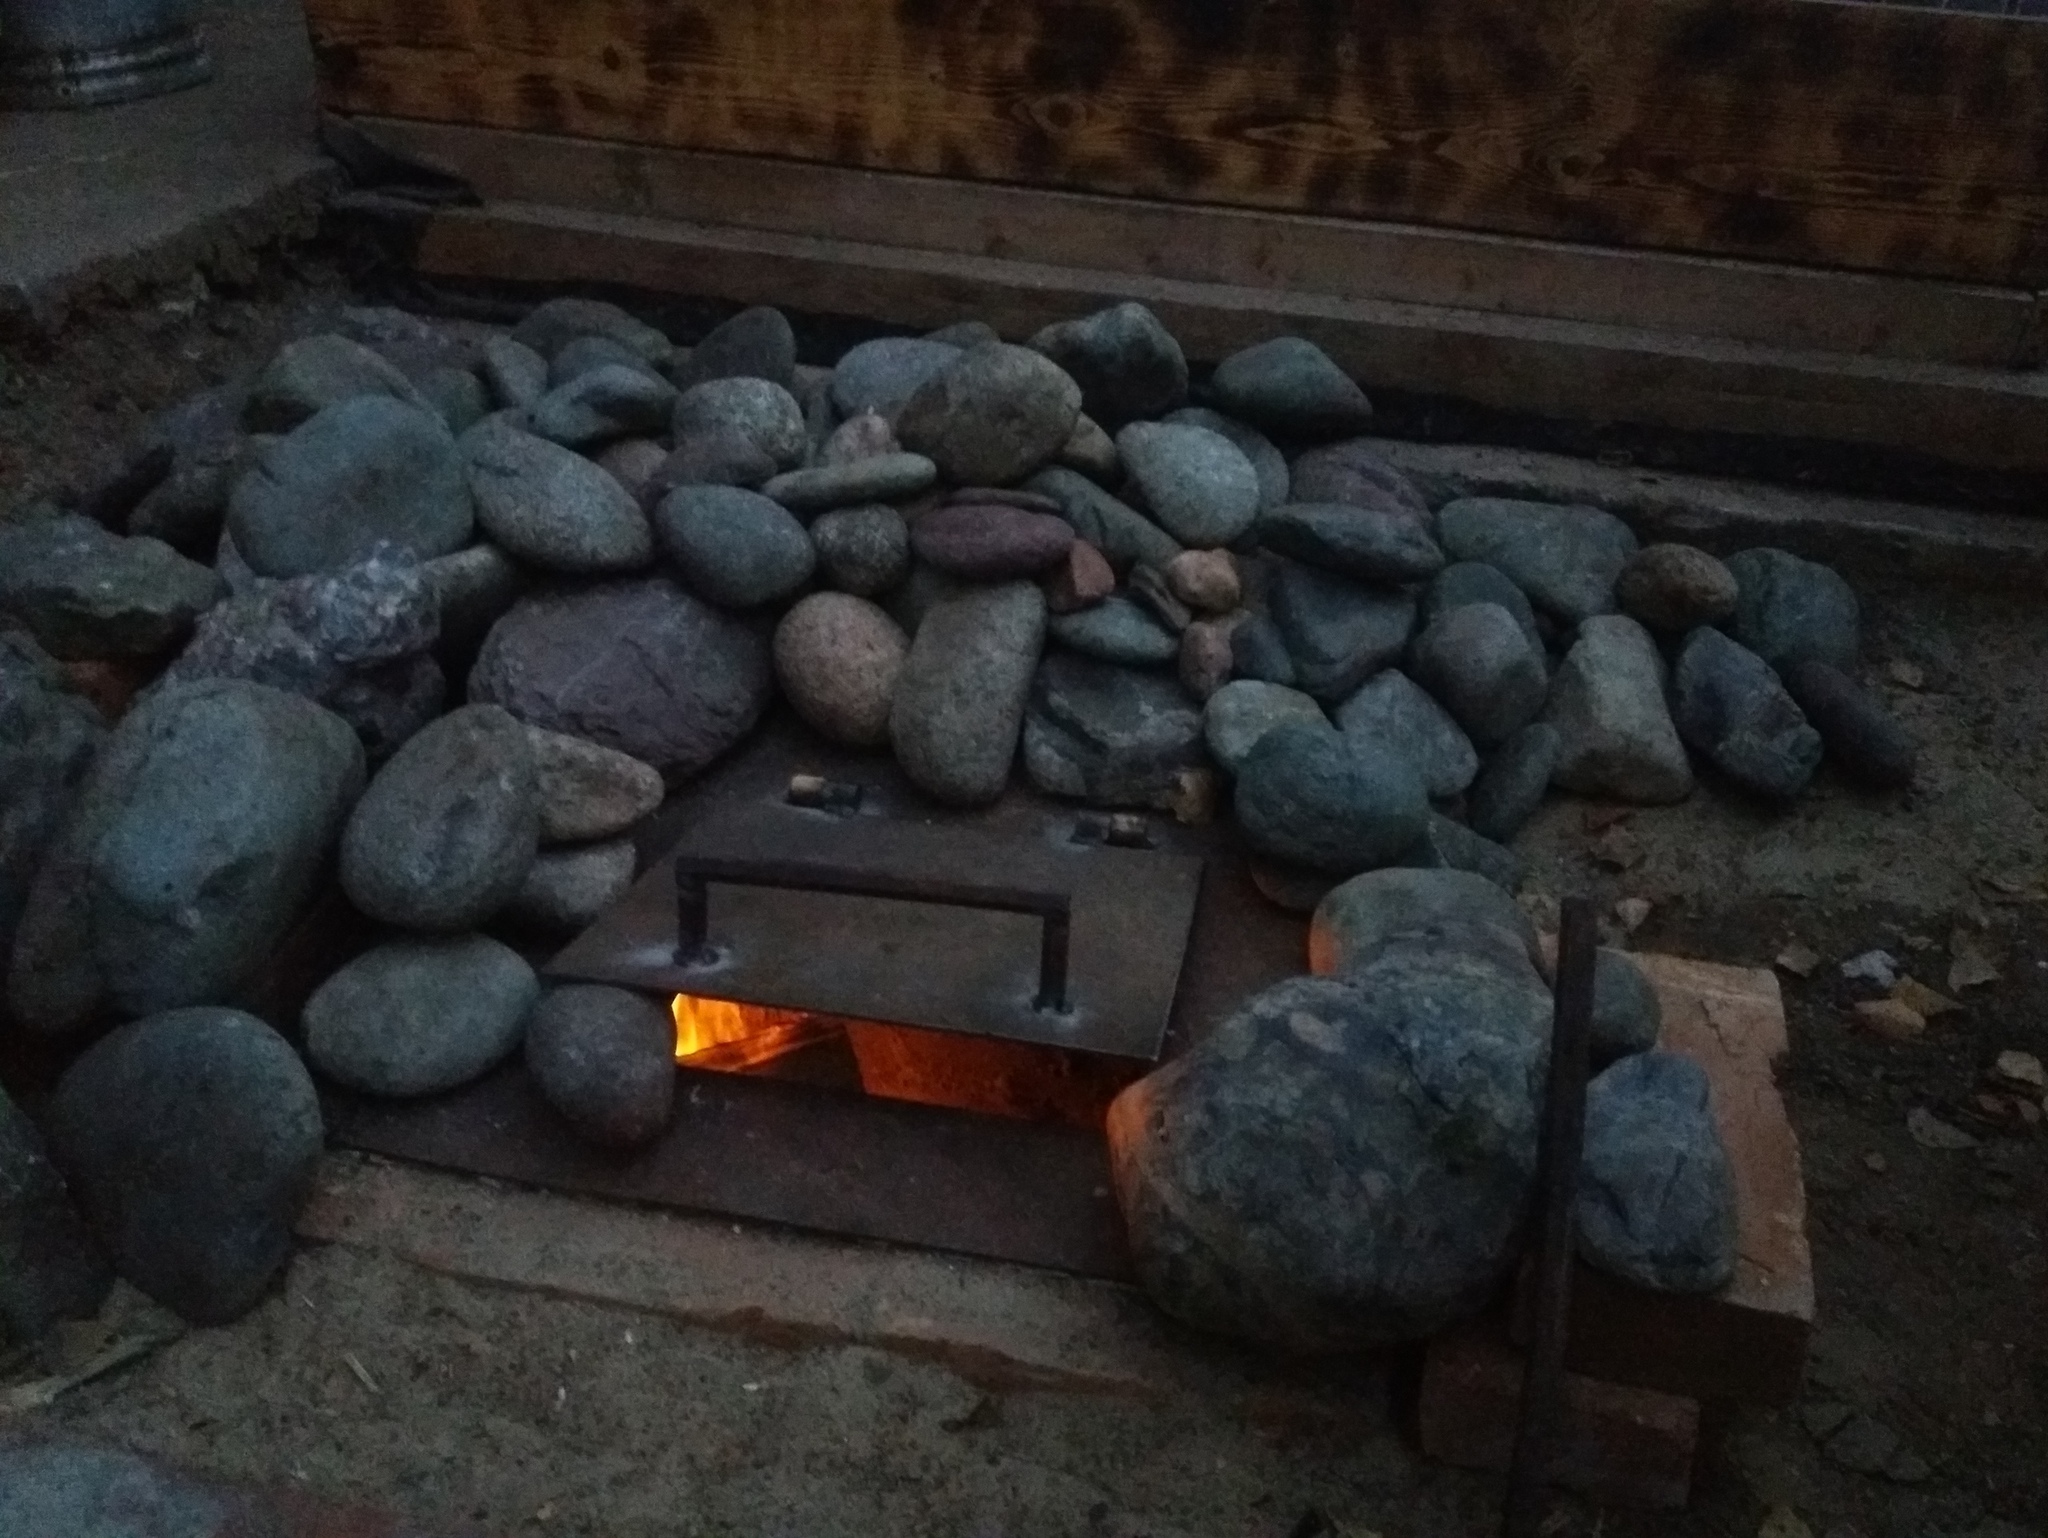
(1564, 1130)
(694, 873)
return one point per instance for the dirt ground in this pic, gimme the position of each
(521, 1413)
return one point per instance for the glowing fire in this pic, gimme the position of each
(718, 1033)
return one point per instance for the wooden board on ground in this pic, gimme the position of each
(1879, 137)
(1747, 1341)
(1771, 304)
(1982, 417)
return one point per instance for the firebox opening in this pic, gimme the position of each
(893, 1062)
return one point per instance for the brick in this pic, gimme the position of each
(1748, 1341)
(1622, 1446)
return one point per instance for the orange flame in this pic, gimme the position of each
(719, 1033)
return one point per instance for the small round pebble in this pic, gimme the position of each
(1205, 580)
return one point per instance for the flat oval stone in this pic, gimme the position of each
(610, 401)
(838, 659)
(420, 1015)
(1125, 536)
(1291, 387)
(1372, 544)
(878, 478)
(566, 890)
(1117, 630)
(757, 343)
(588, 791)
(990, 543)
(1268, 463)
(960, 699)
(1196, 483)
(1354, 471)
(553, 508)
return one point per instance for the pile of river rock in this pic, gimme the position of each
(440, 612)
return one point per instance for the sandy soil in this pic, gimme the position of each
(522, 1413)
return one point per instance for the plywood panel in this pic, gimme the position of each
(1865, 136)
(1783, 306)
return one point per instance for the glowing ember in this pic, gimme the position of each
(718, 1033)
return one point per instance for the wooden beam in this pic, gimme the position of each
(1797, 307)
(1878, 137)
(1565, 369)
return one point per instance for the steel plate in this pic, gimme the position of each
(967, 970)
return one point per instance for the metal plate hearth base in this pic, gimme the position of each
(836, 1162)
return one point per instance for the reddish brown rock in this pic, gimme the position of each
(1205, 657)
(1675, 588)
(837, 658)
(1080, 581)
(1205, 580)
(990, 542)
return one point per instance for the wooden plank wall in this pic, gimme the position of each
(1873, 137)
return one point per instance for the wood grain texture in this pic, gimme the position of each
(1875, 137)
(1775, 304)
(1989, 418)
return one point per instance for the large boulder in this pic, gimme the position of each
(1732, 708)
(173, 880)
(1316, 798)
(991, 415)
(641, 666)
(552, 508)
(960, 698)
(1656, 1201)
(356, 639)
(51, 1267)
(838, 659)
(442, 838)
(366, 470)
(1607, 705)
(190, 1139)
(1566, 558)
(1107, 735)
(48, 736)
(84, 593)
(420, 1015)
(1342, 1164)
(1127, 364)
(604, 1058)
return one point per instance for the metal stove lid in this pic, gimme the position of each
(969, 970)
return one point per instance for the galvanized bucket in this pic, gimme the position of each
(84, 53)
